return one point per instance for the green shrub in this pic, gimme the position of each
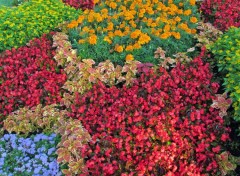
(227, 52)
(20, 24)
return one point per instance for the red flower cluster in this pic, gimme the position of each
(83, 4)
(163, 124)
(28, 76)
(225, 13)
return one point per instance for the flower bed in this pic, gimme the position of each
(128, 87)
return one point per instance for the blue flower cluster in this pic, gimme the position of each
(33, 156)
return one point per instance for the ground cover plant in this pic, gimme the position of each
(37, 17)
(122, 88)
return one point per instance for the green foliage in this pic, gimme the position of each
(227, 52)
(21, 24)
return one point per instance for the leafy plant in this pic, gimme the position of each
(37, 17)
(227, 53)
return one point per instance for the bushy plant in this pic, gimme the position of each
(222, 13)
(83, 4)
(26, 121)
(227, 53)
(37, 17)
(163, 124)
(134, 29)
(29, 76)
(33, 156)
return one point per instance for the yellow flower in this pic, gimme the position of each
(129, 48)
(166, 28)
(129, 57)
(177, 19)
(176, 35)
(143, 39)
(118, 33)
(187, 12)
(113, 5)
(80, 19)
(135, 34)
(136, 46)
(92, 39)
(110, 26)
(192, 2)
(81, 41)
(107, 39)
(193, 19)
(118, 48)
(73, 24)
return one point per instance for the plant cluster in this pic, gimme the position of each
(118, 30)
(49, 119)
(37, 17)
(227, 53)
(83, 4)
(207, 34)
(29, 76)
(34, 155)
(83, 73)
(222, 13)
(163, 124)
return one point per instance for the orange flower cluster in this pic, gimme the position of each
(135, 22)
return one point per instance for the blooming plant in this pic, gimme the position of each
(33, 23)
(34, 155)
(223, 13)
(227, 53)
(128, 29)
(29, 76)
(83, 4)
(163, 124)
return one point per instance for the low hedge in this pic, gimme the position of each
(18, 25)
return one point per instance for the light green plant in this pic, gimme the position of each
(37, 17)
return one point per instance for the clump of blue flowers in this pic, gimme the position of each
(33, 156)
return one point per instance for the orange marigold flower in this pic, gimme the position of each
(192, 2)
(176, 35)
(113, 5)
(92, 39)
(81, 41)
(178, 19)
(107, 39)
(129, 48)
(187, 12)
(118, 48)
(135, 34)
(73, 24)
(193, 31)
(129, 57)
(80, 19)
(143, 39)
(193, 19)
